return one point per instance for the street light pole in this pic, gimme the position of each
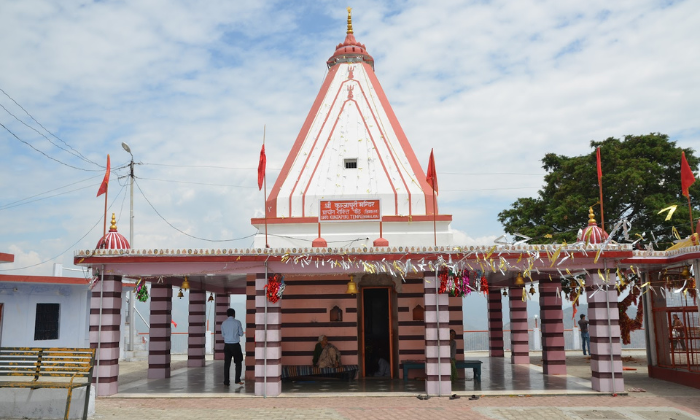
(132, 295)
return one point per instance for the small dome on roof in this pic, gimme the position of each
(592, 234)
(113, 239)
(350, 51)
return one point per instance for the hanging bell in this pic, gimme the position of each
(352, 287)
(519, 281)
(180, 294)
(685, 273)
(185, 284)
(211, 297)
(532, 290)
(505, 292)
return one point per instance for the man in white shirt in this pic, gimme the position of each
(232, 331)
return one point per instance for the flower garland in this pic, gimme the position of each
(141, 290)
(627, 325)
(275, 287)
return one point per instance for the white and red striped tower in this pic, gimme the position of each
(352, 147)
(592, 234)
(113, 239)
(105, 319)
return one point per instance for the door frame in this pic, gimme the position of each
(361, 325)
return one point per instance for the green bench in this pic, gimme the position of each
(57, 368)
(475, 365)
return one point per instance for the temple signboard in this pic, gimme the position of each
(348, 210)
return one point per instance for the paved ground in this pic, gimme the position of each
(645, 399)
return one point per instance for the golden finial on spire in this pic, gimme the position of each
(113, 226)
(349, 20)
(591, 216)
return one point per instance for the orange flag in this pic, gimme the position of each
(261, 168)
(431, 177)
(687, 177)
(600, 169)
(105, 181)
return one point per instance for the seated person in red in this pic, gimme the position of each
(326, 354)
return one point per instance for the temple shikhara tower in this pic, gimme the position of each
(352, 173)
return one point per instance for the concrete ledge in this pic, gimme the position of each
(43, 403)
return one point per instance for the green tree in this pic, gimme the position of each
(641, 176)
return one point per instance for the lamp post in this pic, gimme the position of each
(132, 301)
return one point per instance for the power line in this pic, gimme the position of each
(491, 189)
(44, 136)
(208, 166)
(40, 125)
(70, 247)
(46, 192)
(197, 183)
(185, 233)
(56, 160)
(490, 173)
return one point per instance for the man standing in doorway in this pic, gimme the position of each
(232, 331)
(585, 337)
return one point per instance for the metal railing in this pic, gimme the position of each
(478, 340)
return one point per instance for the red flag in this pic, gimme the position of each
(687, 177)
(261, 168)
(105, 181)
(431, 178)
(600, 168)
(174, 323)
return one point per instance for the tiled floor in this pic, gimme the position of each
(498, 377)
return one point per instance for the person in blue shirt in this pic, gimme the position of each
(232, 331)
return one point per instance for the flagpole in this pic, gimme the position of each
(434, 217)
(690, 213)
(104, 228)
(267, 245)
(600, 187)
(602, 217)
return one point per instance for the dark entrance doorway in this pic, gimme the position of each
(377, 337)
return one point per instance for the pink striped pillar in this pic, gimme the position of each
(106, 336)
(197, 328)
(437, 337)
(495, 309)
(159, 335)
(553, 354)
(519, 340)
(602, 367)
(268, 342)
(222, 302)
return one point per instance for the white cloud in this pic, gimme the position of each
(492, 86)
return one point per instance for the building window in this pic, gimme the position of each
(350, 163)
(46, 325)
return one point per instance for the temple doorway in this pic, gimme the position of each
(377, 338)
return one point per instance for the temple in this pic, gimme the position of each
(352, 246)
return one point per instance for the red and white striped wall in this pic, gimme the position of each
(105, 333)
(196, 331)
(519, 340)
(160, 332)
(222, 302)
(268, 342)
(606, 348)
(553, 353)
(495, 310)
(437, 338)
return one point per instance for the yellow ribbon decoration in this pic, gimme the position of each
(670, 209)
(556, 255)
(519, 258)
(675, 233)
(490, 252)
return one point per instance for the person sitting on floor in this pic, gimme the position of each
(384, 368)
(326, 354)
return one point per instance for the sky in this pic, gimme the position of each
(491, 86)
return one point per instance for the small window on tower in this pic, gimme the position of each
(350, 163)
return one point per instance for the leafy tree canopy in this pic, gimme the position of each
(641, 176)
